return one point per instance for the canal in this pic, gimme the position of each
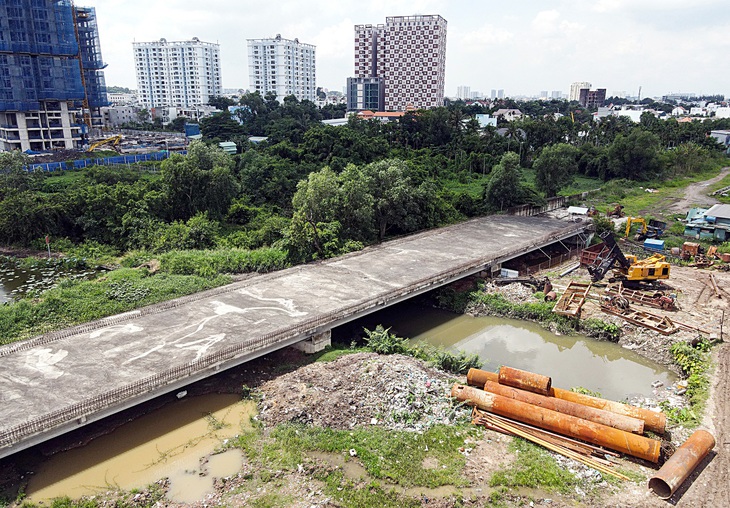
(176, 441)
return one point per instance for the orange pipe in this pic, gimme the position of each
(524, 380)
(595, 433)
(680, 465)
(621, 422)
(653, 420)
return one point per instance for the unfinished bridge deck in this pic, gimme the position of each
(54, 383)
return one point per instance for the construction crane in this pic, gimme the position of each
(112, 141)
(85, 109)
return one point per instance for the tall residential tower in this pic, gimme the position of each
(42, 94)
(179, 74)
(409, 54)
(282, 66)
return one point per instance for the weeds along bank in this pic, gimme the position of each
(142, 280)
(687, 353)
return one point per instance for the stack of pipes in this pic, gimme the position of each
(531, 399)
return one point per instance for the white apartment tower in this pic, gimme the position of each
(409, 53)
(283, 67)
(178, 74)
(575, 89)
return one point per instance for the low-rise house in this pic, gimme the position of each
(709, 224)
(508, 114)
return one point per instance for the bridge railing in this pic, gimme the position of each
(80, 410)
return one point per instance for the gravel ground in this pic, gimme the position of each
(395, 391)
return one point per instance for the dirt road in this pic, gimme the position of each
(696, 194)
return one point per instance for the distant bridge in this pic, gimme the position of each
(55, 383)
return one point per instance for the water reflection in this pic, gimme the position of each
(169, 442)
(605, 367)
(17, 280)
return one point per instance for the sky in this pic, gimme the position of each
(520, 46)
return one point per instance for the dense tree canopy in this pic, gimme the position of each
(318, 190)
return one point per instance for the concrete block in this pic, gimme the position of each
(316, 343)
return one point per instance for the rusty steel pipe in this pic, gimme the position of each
(524, 380)
(654, 421)
(680, 465)
(591, 432)
(621, 422)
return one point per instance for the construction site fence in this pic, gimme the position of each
(106, 161)
(554, 261)
(157, 382)
(552, 204)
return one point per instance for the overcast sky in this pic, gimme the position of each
(522, 46)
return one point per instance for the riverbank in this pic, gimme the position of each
(300, 453)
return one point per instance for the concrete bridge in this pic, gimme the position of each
(55, 383)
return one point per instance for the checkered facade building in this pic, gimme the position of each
(409, 53)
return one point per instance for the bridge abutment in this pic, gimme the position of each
(315, 343)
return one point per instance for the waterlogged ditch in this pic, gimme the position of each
(170, 442)
(19, 278)
(571, 360)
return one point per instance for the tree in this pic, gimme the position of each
(315, 207)
(13, 173)
(635, 156)
(555, 167)
(201, 181)
(221, 126)
(220, 102)
(395, 196)
(178, 124)
(504, 188)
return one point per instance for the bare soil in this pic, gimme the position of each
(696, 194)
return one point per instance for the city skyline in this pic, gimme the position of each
(525, 48)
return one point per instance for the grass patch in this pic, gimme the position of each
(74, 301)
(534, 467)
(208, 263)
(392, 456)
(695, 364)
(541, 312)
(350, 494)
(332, 353)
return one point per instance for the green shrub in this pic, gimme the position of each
(207, 263)
(383, 342)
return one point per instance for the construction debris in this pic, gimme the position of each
(571, 426)
(655, 299)
(655, 421)
(661, 324)
(572, 299)
(681, 464)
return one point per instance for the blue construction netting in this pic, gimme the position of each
(37, 27)
(106, 161)
(39, 54)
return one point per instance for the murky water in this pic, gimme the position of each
(17, 280)
(605, 367)
(169, 442)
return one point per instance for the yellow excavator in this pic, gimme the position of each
(651, 229)
(112, 141)
(633, 272)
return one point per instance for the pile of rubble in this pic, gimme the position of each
(513, 293)
(395, 391)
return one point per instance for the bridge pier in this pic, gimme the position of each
(315, 343)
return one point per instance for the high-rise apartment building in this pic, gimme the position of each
(41, 87)
(575, 89)
(365, 94)
(409, 53)
(592, 98)
(463, 92)
(283, 67)
(177, 74)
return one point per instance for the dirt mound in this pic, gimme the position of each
(395, 391)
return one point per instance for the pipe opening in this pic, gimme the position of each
(660, 488)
